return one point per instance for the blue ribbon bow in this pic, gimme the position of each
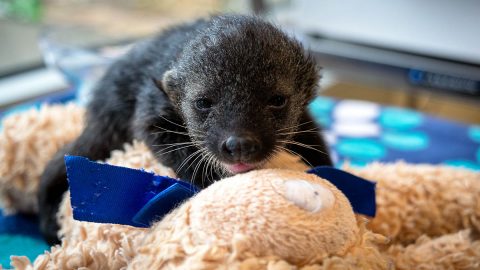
(105, 193)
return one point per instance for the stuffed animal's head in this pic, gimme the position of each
(290, 215)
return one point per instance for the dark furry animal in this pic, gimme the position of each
(214, 97)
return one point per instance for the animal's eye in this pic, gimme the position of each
(203, 104)
(277, 101)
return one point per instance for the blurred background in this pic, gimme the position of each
(422, 55)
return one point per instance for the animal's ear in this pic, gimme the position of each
(169, 84)
(170, 80)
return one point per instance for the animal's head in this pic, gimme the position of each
(241, 86)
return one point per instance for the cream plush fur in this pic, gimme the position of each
(265, 219)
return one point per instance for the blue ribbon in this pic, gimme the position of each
(105, 193)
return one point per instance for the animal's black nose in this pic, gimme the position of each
(240, 147)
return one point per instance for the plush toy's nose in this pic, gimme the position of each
(241, 147)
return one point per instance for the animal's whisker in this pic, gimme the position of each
(192, 162)
(162, 152)
(185, 161)
(171, 122)
(208, 167)
(210, 163)
(204, 170)
(213, 163)
(172, 144)
(296, 126)
(313, 130)
(171, 131)
(199, 136)
(198, 143)
(304, 145)
(199, 163)
(160, 132)
(192, 178)
(295, 154)
(218, 168)
(179, 125)
(203, 159)
(167, 147)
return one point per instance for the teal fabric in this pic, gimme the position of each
(19, 235)
(20, 245)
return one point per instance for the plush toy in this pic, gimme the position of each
(27, 141)
(265, 219)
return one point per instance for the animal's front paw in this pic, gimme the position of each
(48, 223)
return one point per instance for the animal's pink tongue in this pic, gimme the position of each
(239, 167)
